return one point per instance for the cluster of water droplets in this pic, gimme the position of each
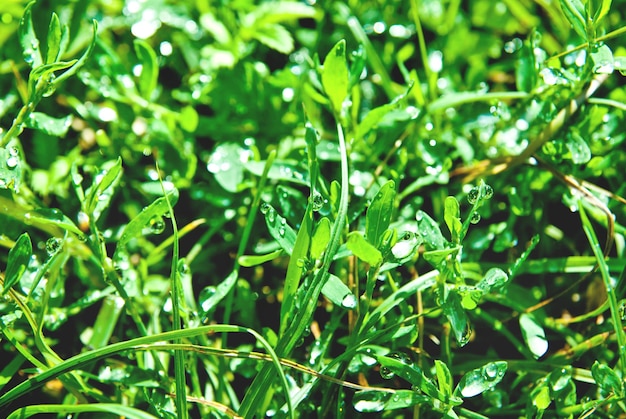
(386, 372)
(475, 195)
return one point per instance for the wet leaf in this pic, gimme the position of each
(145, 218)
(607, 379)
(336, 291)
(52, 126)
(481, 379)
(534, 335)
(378, 401)
(99, 195)
(19, 257)
(430, 232)
(279, 229)
(28, 38)
(209, 300)
(415, 376)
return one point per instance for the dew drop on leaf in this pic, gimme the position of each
(318, 201)
(487, 192)
(473, 195)
(349, 301)
(157, 225)
(53, 245)
(475, 218)
(386, 373)
(265, 207)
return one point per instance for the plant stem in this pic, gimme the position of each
(261, 384)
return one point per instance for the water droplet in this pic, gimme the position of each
(475, 218)
(402, 357)
(349, 301)
(265, 207)
(386, 373)
(12, 162)
(487, 192)
(490, 371)
(53, 245)
(281, 231)
(318, 201)
(183, 268)
(473, 195)
(157, 225)
(14, 151)
(271, 215)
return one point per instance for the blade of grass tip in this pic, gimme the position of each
(176, 287)
(261, 384)
(606, 277)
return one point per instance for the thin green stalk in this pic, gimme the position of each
(179, 356)
(608, 284)
(79, 361)
(247, 231)
(261, 384)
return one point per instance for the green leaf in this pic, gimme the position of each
(335, 76)
(414, 375)
(336, 291)
(100, 194)
(379, 213)
(320, 239)
(149, 68)
(57, 127)
(364, 250)
(43, 77)
(454, 311)
(371, 119)
(228, 168)
(430, 232)
(452, 216)
(379, 401)
(494, 278)
(607, 379)
(11, 165)
(77, 64)
(275, 36)
(600, 12)
(19, 257)
(299, 253)
(213, 299)
(52, 217)
(574, 11)
(481, 379)
(249, 261)
(534, 335)
(144, 219)
(278, 228)
(602, 57)
(31, 49)
(54, 39)
(189, 119)
(444, 378)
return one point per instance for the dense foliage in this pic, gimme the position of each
(312, 209)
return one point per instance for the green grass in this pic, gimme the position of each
(312, 209)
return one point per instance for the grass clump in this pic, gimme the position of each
(295, 209)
